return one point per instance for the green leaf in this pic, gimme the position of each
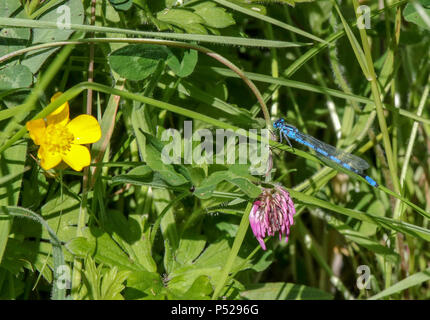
(13, 39)
(140, 171)
(103, 249)
(102, 283)
(141, 250)
(248, 5)
(167, 171)
(11, 170)
(144, 285)
(61, 213)
(166, 219)
(34, 189)
(138, 61)
(411, 281)
(411, 14)
(289, 2)
(199, 290)
(121, 5)
(195, 28)
(7, 7)
(152, 179)
(284, 291)
(57, 253)
(363, 239)
(185, 66)
(376, 208)
(66, 9)
(14, 77)
(209, 263)
(179, 17)
(11, 288)
(208, 186)
(189, 249)
(213, 16)
(113, 284)
(264, 260)
(127, 230)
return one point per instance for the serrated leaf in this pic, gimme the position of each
(209, 263)
(103, 249)
(101, 283)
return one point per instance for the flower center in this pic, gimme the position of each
(58, 139)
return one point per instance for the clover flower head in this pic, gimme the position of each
(60, 138)
(272, 212)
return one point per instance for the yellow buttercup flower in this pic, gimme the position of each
(62, 139)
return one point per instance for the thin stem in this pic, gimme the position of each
(398, 210)
(239, 41)
(243, 227)
(274, 70)
(91, 62)
(376, 93)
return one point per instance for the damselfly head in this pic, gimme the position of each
(278, 123)
(281, 124)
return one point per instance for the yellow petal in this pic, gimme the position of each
(48, 160)
(36, 128)
(78, 157)
(85, 129)
(61, 114)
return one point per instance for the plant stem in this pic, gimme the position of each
(243, 227)
(376, 93)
